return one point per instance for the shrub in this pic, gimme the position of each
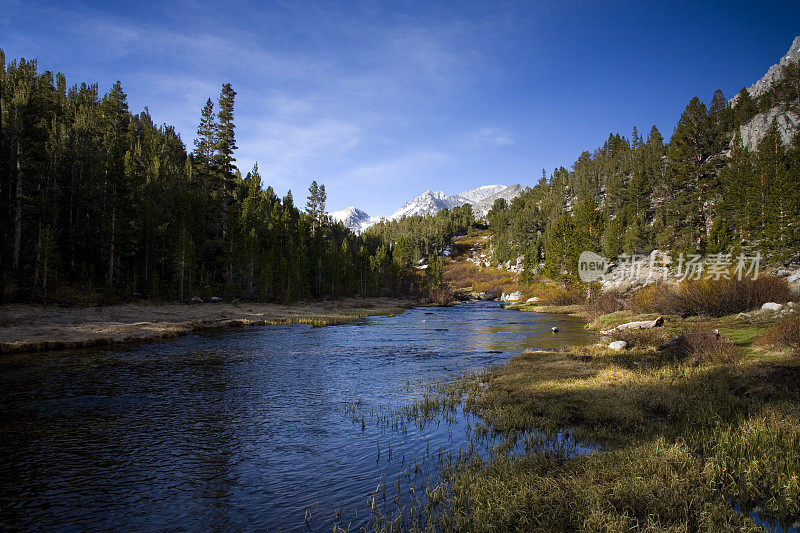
(709, 296)
(643, 338)
(440, 297)
(654, 298)
(603, 303)
(465, 275)
(560, 294)
(700, 347)
(784, 335)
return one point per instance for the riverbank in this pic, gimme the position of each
(30, 328)
(684, 436)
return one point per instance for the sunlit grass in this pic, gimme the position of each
(682, 441)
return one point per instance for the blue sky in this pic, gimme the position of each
(382, 100)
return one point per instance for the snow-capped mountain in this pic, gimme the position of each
(355, 219)
(427, 203)
(430, 203)
(481, 207)
(476, 195)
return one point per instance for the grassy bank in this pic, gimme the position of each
(27, 328)
(683, 435)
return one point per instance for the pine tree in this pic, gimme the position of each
(225, 143)
(562, 249)
(772, 172)
(738, 191)
(115, 117)
(694, 162)
(315, 206)
(206, 136)
(745, 108)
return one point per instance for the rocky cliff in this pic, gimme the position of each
(786, 114)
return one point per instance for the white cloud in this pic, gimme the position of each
(396, 169)
(494, 136)
(287, 150)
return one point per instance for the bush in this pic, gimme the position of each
(440, 297)
(467, 276)
(643, 338)
(560, 294)
(784, 335)
(710, 297)
(654, 298)
(603, 303)
(701, 347)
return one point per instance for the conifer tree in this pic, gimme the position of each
(225, 143)
(745, 108)
(115, 119)
(772, 171)
(693, 157)
(562, 248)
(315, 206)
(206, 135)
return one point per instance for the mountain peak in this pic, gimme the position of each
(429, 203)
(775, 71)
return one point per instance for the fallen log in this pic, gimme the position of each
(640, 324)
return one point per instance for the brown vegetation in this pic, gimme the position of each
(701, 347)
(27, 328)
(710, 297)
(785, 335)
(463, 276)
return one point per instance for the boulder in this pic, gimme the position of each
(618, 345)
(511, 297)
(772, 306)
(532, 300)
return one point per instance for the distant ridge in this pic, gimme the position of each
(431, 202)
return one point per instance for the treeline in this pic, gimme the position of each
(97, 200)
(703, 192)
(416, 238)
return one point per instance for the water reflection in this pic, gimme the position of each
(240, 429)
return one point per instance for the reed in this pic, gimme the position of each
(677, 440)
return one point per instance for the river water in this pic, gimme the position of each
(275, 427)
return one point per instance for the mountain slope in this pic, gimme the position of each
(354, 219)
(431, 202)
(787, 115)
(427, 203)
(482, 207)
(476, 195)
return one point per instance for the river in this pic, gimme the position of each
(263, 428)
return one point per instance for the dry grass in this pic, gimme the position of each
(603, 303)
(463, 276)
(785, 335)
(25, 328)
(551, 293)
(703, 347)
(679, 439)
(710, 297)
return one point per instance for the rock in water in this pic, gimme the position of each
(554, 329)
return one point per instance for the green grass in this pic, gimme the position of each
(680, 440)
